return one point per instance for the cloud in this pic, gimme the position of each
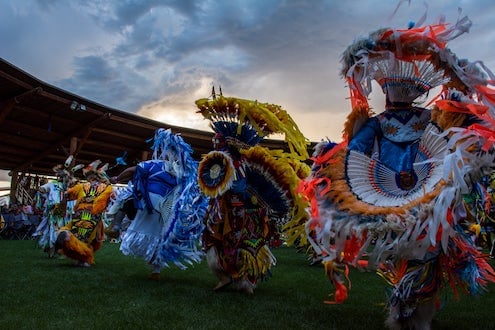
(155, 58)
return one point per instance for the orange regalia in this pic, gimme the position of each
(389, 197)
(84, 234)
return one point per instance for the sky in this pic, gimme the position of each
(156, 57)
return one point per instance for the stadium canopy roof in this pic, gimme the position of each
(41, 125)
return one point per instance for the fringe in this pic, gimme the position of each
(255, 267)
(140, 245)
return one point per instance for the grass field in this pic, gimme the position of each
(42, 293)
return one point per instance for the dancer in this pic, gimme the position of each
(390, 196)
(56, 214)
(486, 204)
(168, 223)
(490, 225)
(84, 234)
(252, 188)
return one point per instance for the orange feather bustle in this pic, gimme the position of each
(77, 250)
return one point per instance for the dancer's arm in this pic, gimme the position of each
(124, 176)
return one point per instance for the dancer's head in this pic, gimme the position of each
(65, 173)
(408, 63)
(219, 142)
(94, 172)
(173, 151)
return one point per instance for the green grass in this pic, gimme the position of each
(42, 293)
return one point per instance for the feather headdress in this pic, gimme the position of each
(247, 122)
(407, 63)
(94, 168)
(172, 148)
(66, 171)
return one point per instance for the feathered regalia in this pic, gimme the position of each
(252, 188)
(167, 227)
(390, 196)
(181, 235)
(56, 212)
(81, 237)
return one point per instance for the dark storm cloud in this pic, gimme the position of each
(106, 83)
(156, 54)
